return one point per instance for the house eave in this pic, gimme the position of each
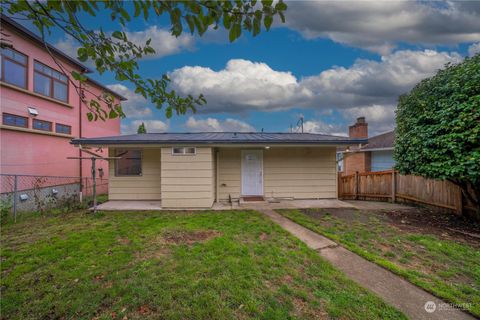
(239, 144)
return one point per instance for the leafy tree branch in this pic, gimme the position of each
(438, 129)
(115, 53)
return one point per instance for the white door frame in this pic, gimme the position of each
(243, 152)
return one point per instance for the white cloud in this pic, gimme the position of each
(368, 86)
(68, 46)
(474, 49)
(318, 126)
(152, 126)
(215, 125)
(136, 105)
(380, 25)
(241, 85)
(162, 41)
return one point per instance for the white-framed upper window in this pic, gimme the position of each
(184, 151)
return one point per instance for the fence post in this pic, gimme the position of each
(356, 185)
(459, 202)
(15, 187)
(339, 185)
(394, 187)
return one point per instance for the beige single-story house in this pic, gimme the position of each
(194, 170)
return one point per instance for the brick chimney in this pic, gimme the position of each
(357, 161)
(359, 129)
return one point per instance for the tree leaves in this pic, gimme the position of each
(438, 126)
(115, 53)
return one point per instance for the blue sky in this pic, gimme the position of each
(330, 63)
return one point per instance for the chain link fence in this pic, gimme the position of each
(23, 193)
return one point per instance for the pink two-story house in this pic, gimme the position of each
(41, 109)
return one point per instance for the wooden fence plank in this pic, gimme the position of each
(389, 184)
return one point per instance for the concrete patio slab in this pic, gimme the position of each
(376, 205)
(403, 295)
(130, 205)
(284, 204)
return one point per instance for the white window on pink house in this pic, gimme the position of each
(50, 83)
(14, 67)
(14, 120)
(63, 128)
(42, 125)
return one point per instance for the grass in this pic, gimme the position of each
(448, 269)
(172, 265)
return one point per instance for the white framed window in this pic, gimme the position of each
(184, 151)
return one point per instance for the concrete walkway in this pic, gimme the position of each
(393, 289)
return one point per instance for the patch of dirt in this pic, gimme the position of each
(302, 309)
(444, 225)
(416, 220)
(342, 213)
(158, 248)
(124, 240)
(189, 237)
(263, 236)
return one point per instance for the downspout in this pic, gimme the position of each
(217, 177)
(80, 136)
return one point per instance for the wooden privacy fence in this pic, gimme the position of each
(390, 185)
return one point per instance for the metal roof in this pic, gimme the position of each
(220, 138)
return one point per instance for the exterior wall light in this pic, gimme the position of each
(23, 197)
(267, 147)
(54, 191)
(32, 111)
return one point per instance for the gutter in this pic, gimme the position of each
(96, 141)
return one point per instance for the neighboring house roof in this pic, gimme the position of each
(221, 138)
(35, 38)
(382, 141)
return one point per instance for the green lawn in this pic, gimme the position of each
(171, 265)
(448, 269)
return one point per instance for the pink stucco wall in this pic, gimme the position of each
(39, 154)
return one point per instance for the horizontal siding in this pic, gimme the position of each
(187, 180)
(144, 187)
(229, 169)
(300, 173)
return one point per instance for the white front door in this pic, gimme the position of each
(252, 172)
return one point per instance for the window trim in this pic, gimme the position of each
(116, 151)
(52, 81)
(184, 153)
(64, 125)
(15, 115)
(49, 122)
(26, 65)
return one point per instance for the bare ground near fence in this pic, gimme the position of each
(390, 185)
(21, 193)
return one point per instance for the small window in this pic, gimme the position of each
(14, 67)
(63, 128)
(130, 163)
(14, 120)
(42, 125)
(50, 83)
(182, 151)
